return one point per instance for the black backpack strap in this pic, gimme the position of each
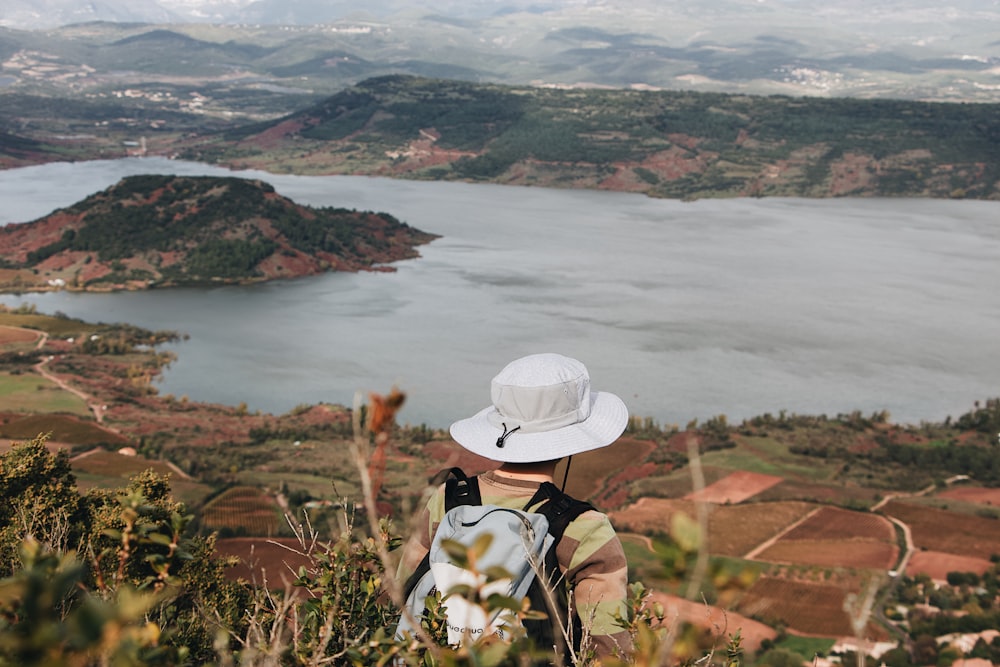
(459, 489)
(559, 508)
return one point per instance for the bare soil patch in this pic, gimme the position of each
(10, 335)
(832, 553)
(719, 622)
(271, 560)
(937, 564)
(806, 607)
(735, 488)
(973, 494)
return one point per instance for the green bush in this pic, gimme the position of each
(118, 578)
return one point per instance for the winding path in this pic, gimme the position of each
(95, 406)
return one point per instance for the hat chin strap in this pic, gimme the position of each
(569, 459)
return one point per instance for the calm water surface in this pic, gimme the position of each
(686, 310)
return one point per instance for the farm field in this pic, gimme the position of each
(14, 339)
(833, 523)
(768, 457)
(735, 488)
(804, 607)
(63, 429)
(972, 494)
(33, 393)
(838, 494)
(110, 470)
(242, 508)
(271, 560)
(54, 326)
(675, 484)
(951, 532)
(613, 471)
(937, 565)
(834, 537)
(318, 486)
(733, 530)
(715, 620)
(121, 467)
(832, 553)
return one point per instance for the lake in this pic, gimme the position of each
(685, 309)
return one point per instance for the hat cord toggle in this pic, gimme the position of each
(506, 433)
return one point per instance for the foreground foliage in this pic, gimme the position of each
(117, 578)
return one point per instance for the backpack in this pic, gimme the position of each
(518, 538)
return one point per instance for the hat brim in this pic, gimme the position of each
(607, 421)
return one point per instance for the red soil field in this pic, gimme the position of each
(720, 622)
(832, 523)
(112, 464)
(242, 507)
(735, 488)
(63, 429)
(733, 530)
(973, 494)
(951, 532)
(274, 560)
(807, 608)
(832, 553)
(17, 335)
(937, 565)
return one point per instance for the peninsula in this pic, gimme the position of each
(163, 230)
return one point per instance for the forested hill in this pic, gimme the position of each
(170, 230)
(664, 143)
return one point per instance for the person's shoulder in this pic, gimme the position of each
(591, 524)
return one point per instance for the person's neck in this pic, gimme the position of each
(542, 471)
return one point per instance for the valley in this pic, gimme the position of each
(799, 512)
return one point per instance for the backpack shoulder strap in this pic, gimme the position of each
(460, 489)
(558, 507)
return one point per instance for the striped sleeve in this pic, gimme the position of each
(597, 573)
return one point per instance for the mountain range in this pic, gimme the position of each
(910, 49)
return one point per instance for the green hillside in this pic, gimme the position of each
(665, 143)
(169, 230)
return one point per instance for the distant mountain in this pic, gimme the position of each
(663, 143)
(909, 49)
(169, 230)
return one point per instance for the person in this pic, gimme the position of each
(543, 411)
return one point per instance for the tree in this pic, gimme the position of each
(53, 516)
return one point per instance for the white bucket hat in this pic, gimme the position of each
(543, 409)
